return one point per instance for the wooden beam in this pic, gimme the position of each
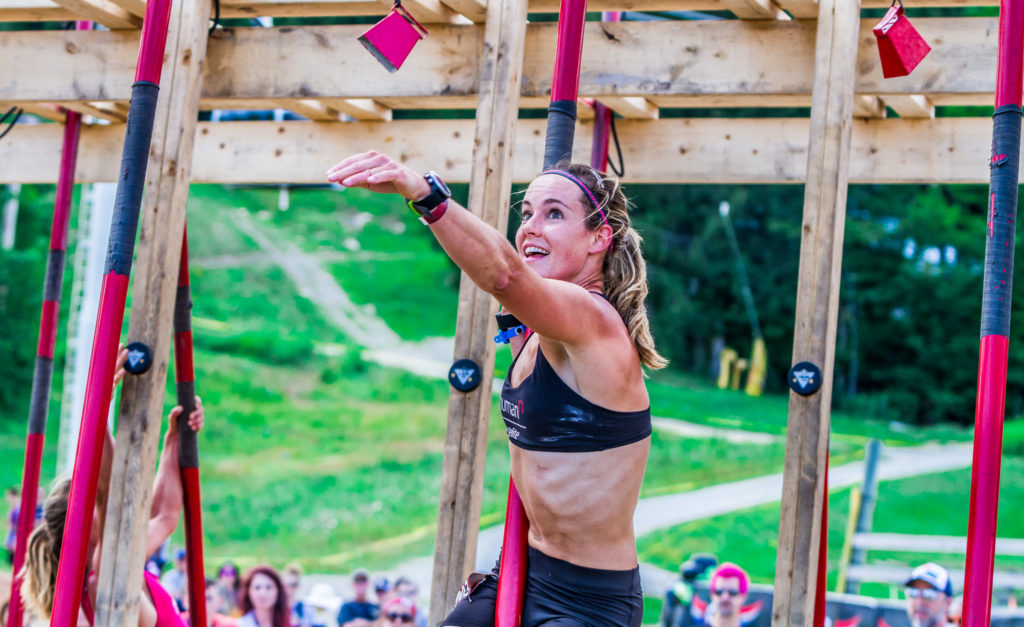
(465, 448)
(312, 109)
(426, 11)
(868, 107)
(155, 286)
(46, 10)
(800, 9)
(911, 106)
(96, 110)
(755, 9)
(360, 108)
(38, 109)
(102, 12)
(33, 11)
(700, 150)
(632, 107)
(817, 307)
(475, 10)
(703, 60)
(134, 7)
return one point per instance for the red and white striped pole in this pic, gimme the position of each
(43, 374)
(110, 317)
(995, 316)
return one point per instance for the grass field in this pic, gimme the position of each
(934, 504)
(313, 455)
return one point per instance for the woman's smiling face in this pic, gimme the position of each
(553, 237)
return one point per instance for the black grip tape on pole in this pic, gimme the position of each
(183, 309)
(188, 446)
(131, 178)
(560, 131)
(1002, 217)
(40, 395)
(54, 276)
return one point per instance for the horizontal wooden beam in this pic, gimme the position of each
(312, 109)
(755, 9)
(475, 10)
(707, 150)
(360, 108)
(868, 107)
(632, 107)
(44, 111)
(103, 12)
(47, 10)
(910, 105)
(103, 110)
(134, 7)
(691, 63)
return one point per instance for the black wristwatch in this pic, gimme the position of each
(432, 207)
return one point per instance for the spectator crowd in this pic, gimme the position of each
(265, 597)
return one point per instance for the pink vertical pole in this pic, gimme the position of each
(565, 85)
(557, 146)
(43, 375)
(188, 448)
(995, 316)
(110, 317)
(602, 118)
(819, 599)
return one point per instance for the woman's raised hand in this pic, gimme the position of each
(379, 173)
(195, 419)
(119, 371)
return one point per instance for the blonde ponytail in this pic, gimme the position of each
(39, 574)
(624, 271)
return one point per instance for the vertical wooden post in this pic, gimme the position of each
(163, 221)
(490, 185)
(821, 249)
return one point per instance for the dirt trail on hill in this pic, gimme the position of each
(317, 285)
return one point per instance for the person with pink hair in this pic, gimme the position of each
(729, 585)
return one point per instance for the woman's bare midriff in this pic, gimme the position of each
(581, 505)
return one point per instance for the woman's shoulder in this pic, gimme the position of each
(247, 620)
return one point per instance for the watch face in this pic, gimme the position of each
(437, 182)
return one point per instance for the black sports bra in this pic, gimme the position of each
(544, 414)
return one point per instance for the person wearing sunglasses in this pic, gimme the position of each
(397, 612)
(929, 593)
(729, 585)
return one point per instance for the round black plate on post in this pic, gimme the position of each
(465, 375)
(804, 378)
(140, 358)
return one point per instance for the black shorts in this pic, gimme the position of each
(560, 594)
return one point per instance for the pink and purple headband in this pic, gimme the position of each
(582, 186)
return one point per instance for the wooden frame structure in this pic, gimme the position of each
(776, 54)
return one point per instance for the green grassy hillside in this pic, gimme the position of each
(307, 446)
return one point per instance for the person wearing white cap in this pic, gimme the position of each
(929, 593)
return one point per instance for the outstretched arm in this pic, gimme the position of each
(556, 309)
(167, 491)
